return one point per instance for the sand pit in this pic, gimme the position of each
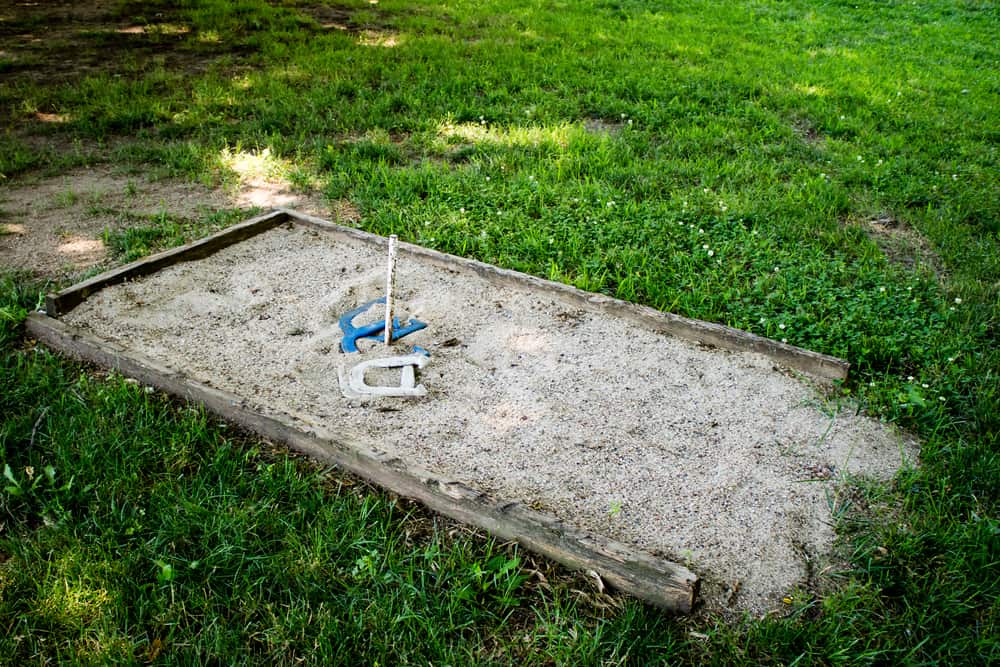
(720, 460)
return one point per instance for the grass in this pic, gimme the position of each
(140, 235)
(722, 160)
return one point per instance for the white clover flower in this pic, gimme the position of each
(629, 121)
(704, 246)
(881, 289)
(843, 117)
(712, 252)
(776, 269)
(701, 231)
(781, 326)
(910, 378)
(925, 385)
(784, 340)
(487, 178)
(462, 210)
(958, 299)
(705, 190)
(871, 384)
(951, 360)
(611, 204)
(954, 177)
(941, 398)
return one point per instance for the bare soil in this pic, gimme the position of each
(54, 226)
(719, 460)
(902, 244)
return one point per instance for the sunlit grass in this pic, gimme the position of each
(253, 164)
(557, 136)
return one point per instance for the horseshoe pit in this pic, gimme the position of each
(660, 452)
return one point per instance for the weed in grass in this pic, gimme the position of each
(16, 157)
(66, 198)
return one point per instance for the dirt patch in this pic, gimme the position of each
(711, 458)
(902, 244)
(347, 19)
(602, 126)
(258, 192)
(54, 227)
(330, 18)
(18, 14)
(808, 132)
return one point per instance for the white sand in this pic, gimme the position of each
(715, 459)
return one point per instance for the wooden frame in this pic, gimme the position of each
(663, 583)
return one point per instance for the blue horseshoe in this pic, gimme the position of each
(373, 330)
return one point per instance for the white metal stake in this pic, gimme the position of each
(390, 288)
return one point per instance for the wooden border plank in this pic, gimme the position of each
(668, 585)
(706, 333)
(69, 298)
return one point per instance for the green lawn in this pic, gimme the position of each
(824, 172)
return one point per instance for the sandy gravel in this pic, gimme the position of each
(715, 459)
